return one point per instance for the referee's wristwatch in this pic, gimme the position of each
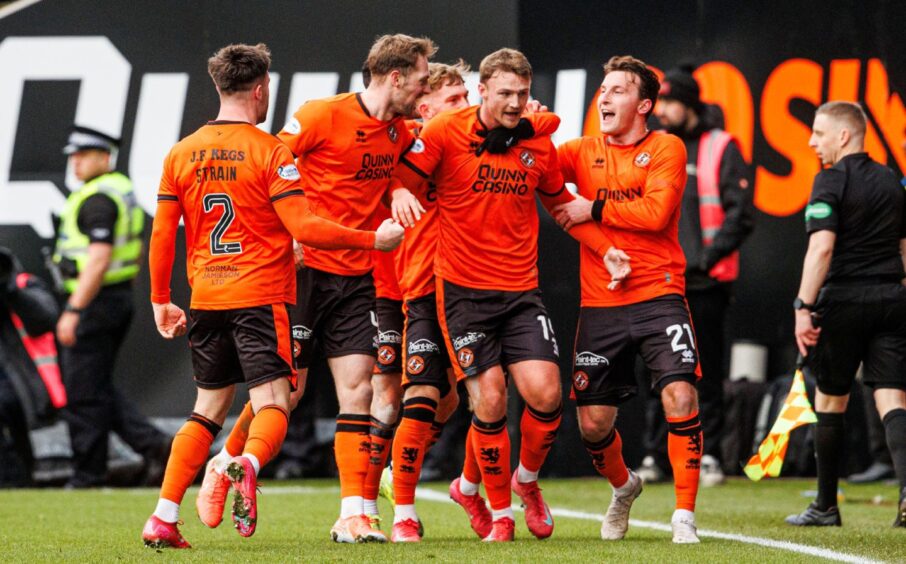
(799, 304)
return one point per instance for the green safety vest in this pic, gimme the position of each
(72, 244)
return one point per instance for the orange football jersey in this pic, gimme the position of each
(346, 158)
(225, 177)
(488, 219)
(643, 186)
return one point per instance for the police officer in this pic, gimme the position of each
(717, 216)
(97, 254)
(851, 306)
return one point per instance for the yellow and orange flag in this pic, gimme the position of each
(796, 411)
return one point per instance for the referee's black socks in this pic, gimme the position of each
(895, 430)
(829, 435)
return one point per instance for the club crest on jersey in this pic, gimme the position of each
(393, 134)
(418, 147)
(288, 172)
(465, 357)
(527, 158)
(587, 358)
(301, 332)
(415, 364)
(580, 380)
(297, 348)
(642, 159)
(386, 354)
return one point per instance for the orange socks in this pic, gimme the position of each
(539, 430)
(381, 436)
(437, 428)
(410, 445)
(188, 454)
(470, 469)
(235, 443)
(491, 447)
(266, 433)
(607, 458)
(684, 446)
(352, 448)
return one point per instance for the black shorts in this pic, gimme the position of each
(232, 346)
(390, 336)
(333, 313)
(609, 338)
(427, 359)
(860, 324)
(485, 328)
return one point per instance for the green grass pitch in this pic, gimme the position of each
(295, 517)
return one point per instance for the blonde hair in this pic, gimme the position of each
(398, 52)
(440, 74)
(850, 114)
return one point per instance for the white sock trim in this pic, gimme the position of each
(370, 506)
(352, 506)
(403, 512)
(254, 460)
(466, 487)
(501, 513)
(524, 476)
(167, 511)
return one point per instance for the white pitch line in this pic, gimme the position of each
(432, 495)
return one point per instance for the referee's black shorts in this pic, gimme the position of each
(860, 323)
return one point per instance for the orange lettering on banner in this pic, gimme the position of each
(844, 85)
(724, 85)
(887, 110)
(779, 194)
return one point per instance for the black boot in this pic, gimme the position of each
(814, 517)
(901, 510)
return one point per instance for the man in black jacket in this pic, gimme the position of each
(716, 217)
(29, 395)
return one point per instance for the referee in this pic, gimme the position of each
(851, 306)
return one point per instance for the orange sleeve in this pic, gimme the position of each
(566, 155)
(418, 163)
(663, 192)
(307, 128)
(544, 123)
(317, 232)
(162, 251)
(588, 233)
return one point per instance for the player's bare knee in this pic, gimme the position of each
(680, 399)
(596, 422)
(447, 405)
(491, 406)
(888, 399)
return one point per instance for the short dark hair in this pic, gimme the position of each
(850, 114)
(648, 82)
(504, 60)
(236, 67)
(398, 52)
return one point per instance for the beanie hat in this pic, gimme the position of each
(679, 84)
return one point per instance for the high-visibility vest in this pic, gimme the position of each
(72, 244)
(711, 149)
(43, 352)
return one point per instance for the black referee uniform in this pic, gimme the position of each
(861, 310)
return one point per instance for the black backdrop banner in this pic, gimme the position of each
(137, 70)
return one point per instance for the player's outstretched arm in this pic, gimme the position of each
(320, 233)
